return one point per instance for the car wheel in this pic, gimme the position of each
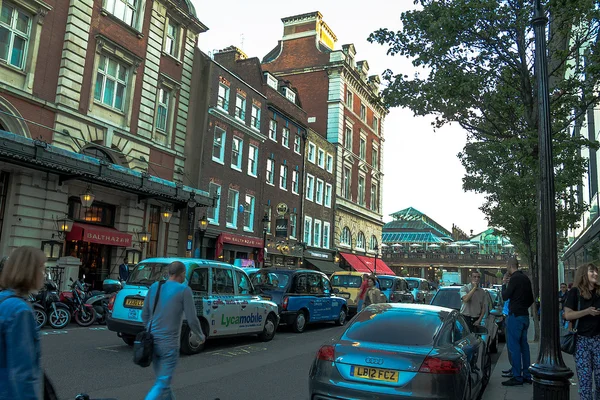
(300, 322)
(269, 329)
(494, 345)
(341, 321)
(189, 346)
(487, 372)
(128, 339)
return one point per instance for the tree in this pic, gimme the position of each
(474, 61)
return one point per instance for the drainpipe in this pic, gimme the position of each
(302, 193)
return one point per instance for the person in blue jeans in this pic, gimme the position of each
(518, 290)
(581, 307)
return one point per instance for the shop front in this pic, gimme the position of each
(321, 261)
(365, 264)
(238, 249)
(282, 253)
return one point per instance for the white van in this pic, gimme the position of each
(225, 299)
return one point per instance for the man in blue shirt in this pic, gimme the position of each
(124, 270)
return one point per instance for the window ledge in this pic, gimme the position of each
(287, 147)
(297, 152)
(213, 223)
(273, 139)
(283, 188)
(311, 161)
(101, 104)
(218, 161)
(255, 128)
(248, 230)
(172, 57)
(240, 119)
(230, 226)
(235, 168)
(270, 184)
(296, 193)
(130, 28)
(6, 65)
(252, 175)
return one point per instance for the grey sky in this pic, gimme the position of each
(421, 168)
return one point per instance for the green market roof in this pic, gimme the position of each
(410, 237)
(414, 220)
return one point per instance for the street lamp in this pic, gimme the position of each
(202, 225)
(87, 198)
(144, 238)
(265, 222)
(550, 374)
(376, 248)
(166, 215)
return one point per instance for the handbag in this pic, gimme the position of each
(143, 347)
(568, 339)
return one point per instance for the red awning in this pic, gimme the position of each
(356, 263)
(382, 268)
(99, 234)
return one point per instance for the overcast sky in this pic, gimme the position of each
(421, 168)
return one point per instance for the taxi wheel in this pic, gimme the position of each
(128, 340)
(188, 346)
(300, 322)
(269, 329)
(342, 317)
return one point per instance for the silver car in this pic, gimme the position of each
(393, 351)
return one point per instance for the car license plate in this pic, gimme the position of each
(374, 374)
(133, 314)
(134, 303)
(266, 297)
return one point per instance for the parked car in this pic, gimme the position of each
(225, 299)
(449, 296)
(395, 289)
(421, 290)
(302, 296)
(348, 284)
(498, 305)
(378, 357)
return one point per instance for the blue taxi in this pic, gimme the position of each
(302, 296)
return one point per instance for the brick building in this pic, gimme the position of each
(93, 112)
(342, 102)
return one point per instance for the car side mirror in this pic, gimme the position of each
(335, 290)
(480, 330)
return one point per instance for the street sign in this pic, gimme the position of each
(189, 245)
(282, 209)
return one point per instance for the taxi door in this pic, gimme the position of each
(225, 315)
(321, 304)
(251, 318)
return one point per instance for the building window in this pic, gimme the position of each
(272, 81)
(285, 137)
(249, 214)
(98, 214)
(232, 206)
(125, 10)
(111, 83)
(255, 119)
(212, 214)
(349, 99)
(326, 234)
(363, 149)
(361, 190)
(374, 203)
(308, 230)
(373, 242)
(270, 171)
(268, 214)
(218, 153)
(348, 139)
(321, 158)
(252, 160)
(237, 146)
(360, 241)
(363, 112)
(240, 107)
(172, 39)
(317, 234)
(329, 163)
(376, 124)
(283, 177)
(223, 99)
(319, 192)
(293, 224)
(311, 152)
(310, 187)
(346, 237)
(15, 27)
(328, 190)
(162, 112)
(289, 94)
(273, 130)
(153, 230)
(375, 158)
(297, 144)
(346, 185)
(295, 181)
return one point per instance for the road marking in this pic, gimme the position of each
(238, 351)
(98, 329)
(44, 333)
(108, 348)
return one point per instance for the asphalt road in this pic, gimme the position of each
(96, 361)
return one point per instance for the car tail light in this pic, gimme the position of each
(285, 303)
(392, 297)
(111, 302)
(326, 353)
(434, 365)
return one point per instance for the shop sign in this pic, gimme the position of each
(115, 239)
(282, 209)
(281, 228)
(317, 254)
(241, 240)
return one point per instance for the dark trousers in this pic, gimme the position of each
(519, 348)
(470, 321)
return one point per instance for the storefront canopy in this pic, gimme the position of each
(99, 234)
(326, 267)
(68, 165)
(382, 268)
(355, 263)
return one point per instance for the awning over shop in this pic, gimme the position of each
(355, 263)
(382, 268)
(326, 267)
(99, 234)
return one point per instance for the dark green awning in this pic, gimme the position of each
(327, 267)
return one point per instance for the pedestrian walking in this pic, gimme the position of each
(474, 301)
(175, 300)
(586, 294)
(362, 292)
(21, 376)
(518, 291)
(373, 295)
(505, 311)
(124, 270)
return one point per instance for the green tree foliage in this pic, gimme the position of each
(475, 67)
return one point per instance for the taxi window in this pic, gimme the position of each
(314, 283)
(326, 285)
(424, 286)
(349, 281)
(242, 282)
(301, 286)
(199, 280)
(148, 273)
(385, 283)
(222, 282)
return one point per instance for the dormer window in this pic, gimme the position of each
(290, 95)
(272, 81)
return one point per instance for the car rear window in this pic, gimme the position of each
(447, 298)
(385, 283)
(349, 281)
(412, 284)
(148, 273)
(380, 324)
(271, 280)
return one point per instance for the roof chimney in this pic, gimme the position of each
(308, 25)
(229, 55)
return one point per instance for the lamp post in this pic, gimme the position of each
(550, 374)
(202, 225)
(376, 248)
(144, 238)
(265, 222)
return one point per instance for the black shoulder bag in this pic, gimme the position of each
(143, 347)
(567, 341)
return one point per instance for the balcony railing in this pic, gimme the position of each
(439, 257)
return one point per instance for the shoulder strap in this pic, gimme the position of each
(155, 303)
(578, 309)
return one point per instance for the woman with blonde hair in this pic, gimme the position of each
(581, 306)
(21, 375)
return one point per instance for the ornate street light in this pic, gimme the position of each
(202, 226)
(265, 221)
(144, 237)
(166, 215)
(376, 248)
(87, 198)
(63, 226)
